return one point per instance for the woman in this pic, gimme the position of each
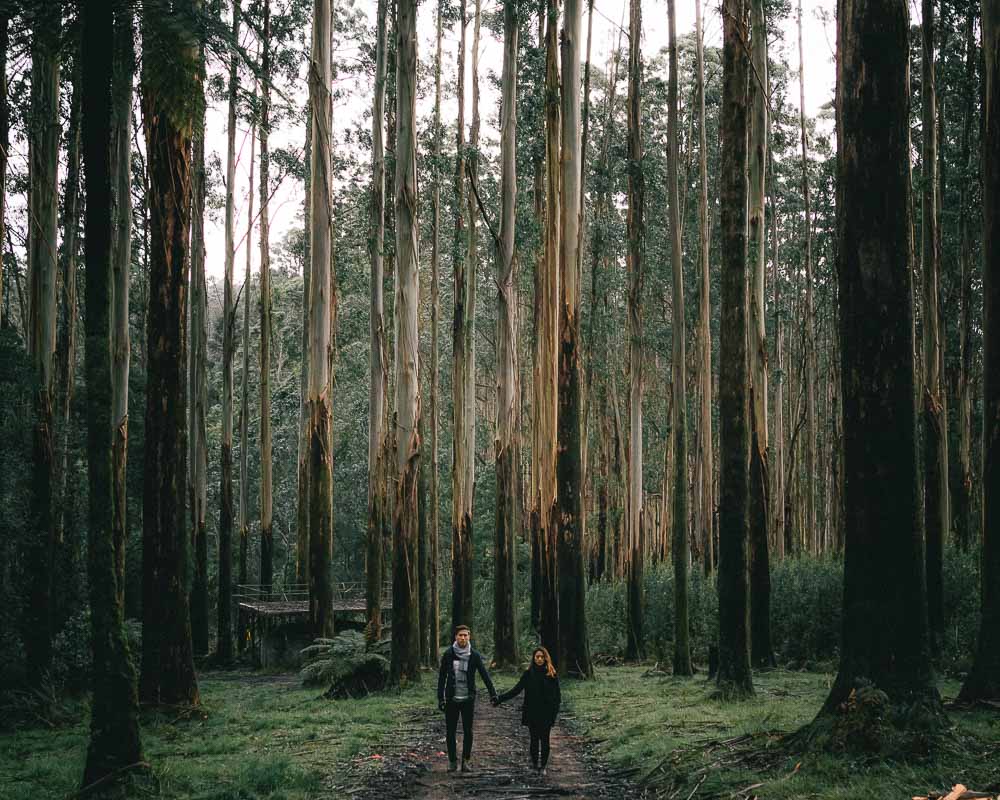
(541, 704)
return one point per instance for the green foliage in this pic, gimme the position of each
(806, 606)
(345, 663)
(673, 739)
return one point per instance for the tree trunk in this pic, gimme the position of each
(66, 346)
(935, 463)
(114, 719)
(885, 638)
(197, 372)
(574, 649)
(634, 224)
(681, 552)
(320, 466)
(243, 516)
(378, 359)
(302, 472)
(224, 633)
(983, 682)
(734, 678)
(405, 666)
(434, 631)
(706, 463)
(546, 355)
(266, 481)
(121, 270)
(462, 468)
(43, 155)
(777, 505)
(168, 675)
(507, 517)
(963, 496)
(761, 654)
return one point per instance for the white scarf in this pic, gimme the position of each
(460, 651)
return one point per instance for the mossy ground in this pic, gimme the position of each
(673, 736)
(264, 736)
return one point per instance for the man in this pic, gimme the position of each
(457, 693)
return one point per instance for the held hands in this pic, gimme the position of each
(441, 705)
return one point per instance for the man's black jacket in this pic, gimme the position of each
(446, 675)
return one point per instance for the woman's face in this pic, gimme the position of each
(539, 658)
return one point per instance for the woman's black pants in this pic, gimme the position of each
(452, 711)
(539, 743)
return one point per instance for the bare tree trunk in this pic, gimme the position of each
(935, 464)
(434, 630)
(43, 155)
(168, 676)
(810, 540)
(224, 633)
(378, 359)
(65, 368)
(778, 498)
(734, 678)
(983, 682)
(963, 499)
(681, 551)
(760, 572)
(574, 649)
(706, 463)
(634, 223)
(320, 303)
(115, 743)
(547, 344)
(302, 472)
(885, 642)
(461, 517)
(405, 618)
(266, 481)
(507, 517)
(197, 362)
(121, 269)
(246, 292)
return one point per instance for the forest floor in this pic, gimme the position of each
(630, 732)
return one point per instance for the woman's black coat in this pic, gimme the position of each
(541, 697)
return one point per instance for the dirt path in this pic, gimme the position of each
(417, 768)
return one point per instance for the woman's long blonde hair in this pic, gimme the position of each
(550, 669)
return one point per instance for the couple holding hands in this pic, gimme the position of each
(456, 692)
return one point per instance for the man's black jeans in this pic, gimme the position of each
(539, 741)
(452, 711)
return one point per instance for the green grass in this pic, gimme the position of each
(259, 739)
(670, 733)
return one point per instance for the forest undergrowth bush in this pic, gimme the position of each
(346, 664)
(806, 602)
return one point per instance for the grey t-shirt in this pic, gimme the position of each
(461, 667)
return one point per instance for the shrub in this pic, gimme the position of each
(346, 664)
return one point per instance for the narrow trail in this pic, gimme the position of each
(417, 767)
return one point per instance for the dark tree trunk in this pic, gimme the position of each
(114, 721)
(984, 681)
(168, 675)
(43, 149)
(4, 144)
(405, 664)
(885, 636)
(734, 678)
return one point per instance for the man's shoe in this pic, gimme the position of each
(452, 766)
(466, 765)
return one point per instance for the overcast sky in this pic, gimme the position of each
(819, 37)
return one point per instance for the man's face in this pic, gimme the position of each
(462, 637)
